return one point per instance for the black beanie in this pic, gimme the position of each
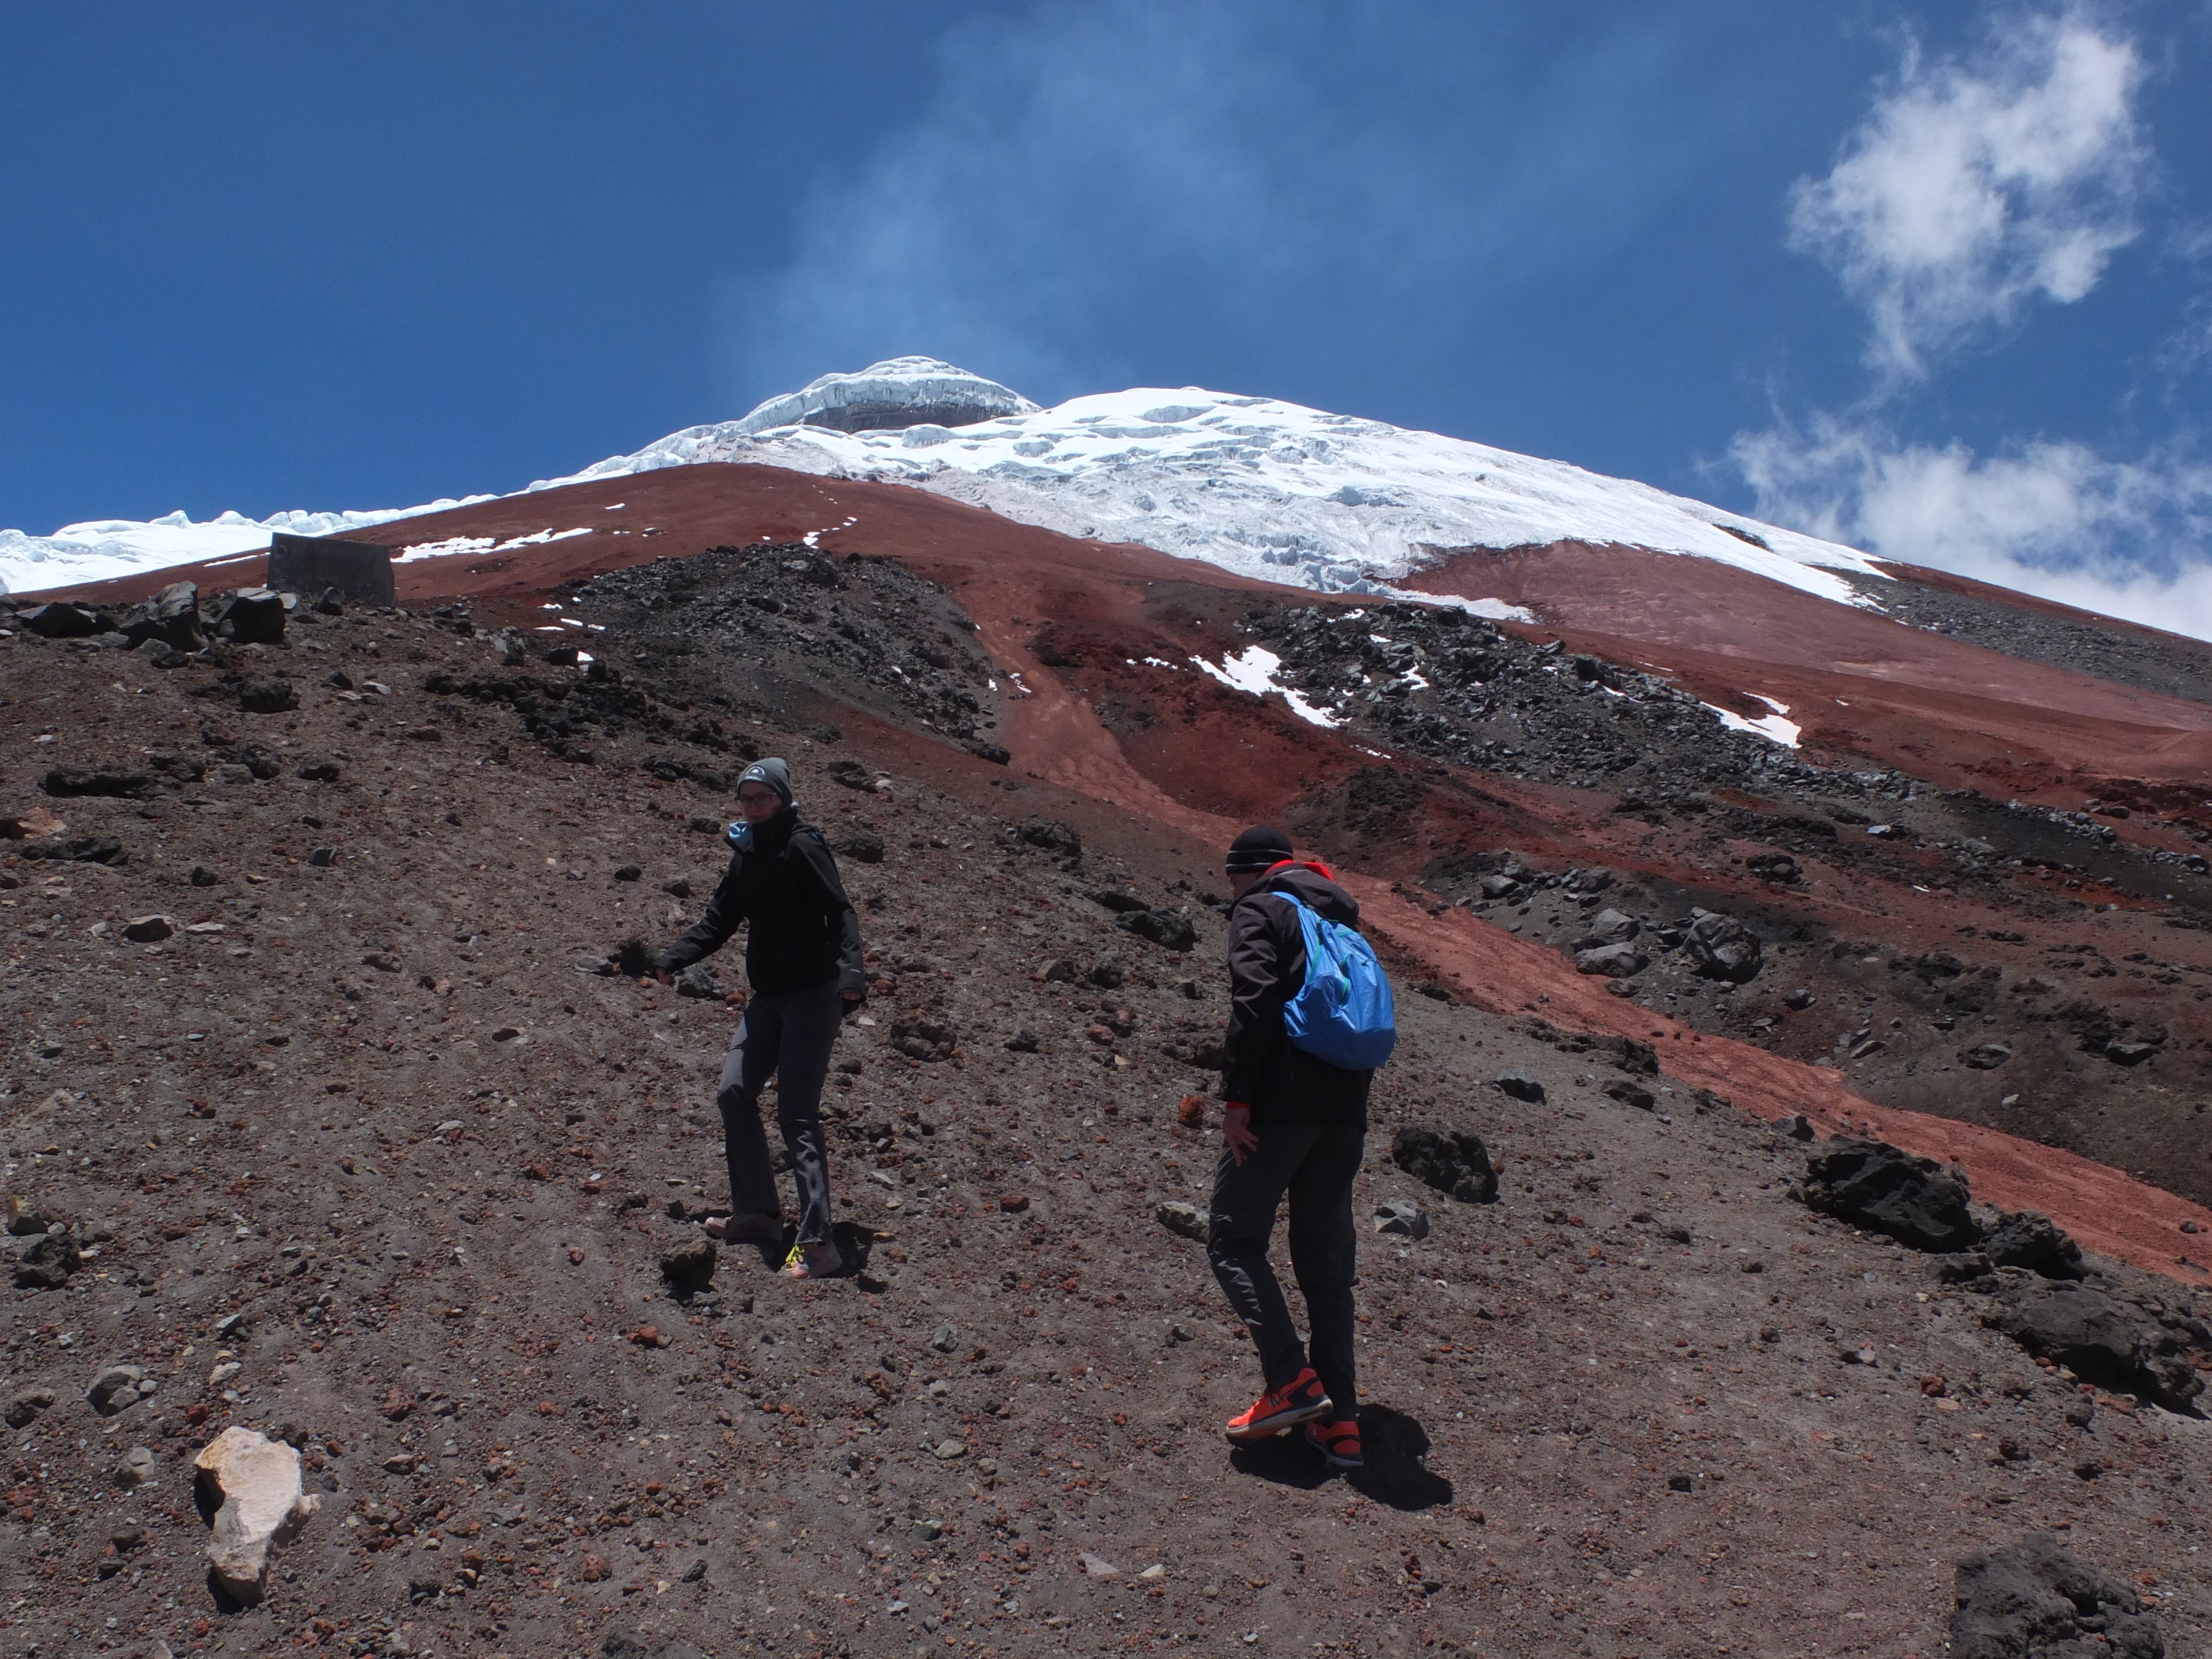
(1261, 848)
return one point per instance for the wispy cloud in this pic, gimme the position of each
(1095, 192)
(1975, 186)
(2126, 538)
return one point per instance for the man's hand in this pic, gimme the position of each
(855, 1001)
(661, 973)
(1237, 1130)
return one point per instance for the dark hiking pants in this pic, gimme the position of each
(787, 1037)
(1313, 1164)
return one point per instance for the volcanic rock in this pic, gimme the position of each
(2033, 1601)
(1614, 961)
(24, 1219)
(861, 845)
(133, 1469)
(171, 618)
(251, 616)
(255, 1482)
(47, 1265)
(119, 1387)
(266, 693)
(81, 849)
(699, 980)
(1630, 1094)
(149, 930)
(920, 1036)
(1051, 836)
(2024, 1239)
(1985, 1056)
(1164, 928)
(24, 1406)
(2103, 1341)
(1449, 1160)
(65, 621)
(1875, 1185)
(1186, 1219)
(1519, 1085)
(1403, 1217)
(1723, 948)
(689, 1263)
(66, 780)
(1608, 927)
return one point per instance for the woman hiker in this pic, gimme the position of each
(802, 958)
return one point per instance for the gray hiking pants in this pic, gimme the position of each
(1313, 1164)
(787, 1037)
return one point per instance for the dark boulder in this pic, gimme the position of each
(1449, 1160)
(48, 1264)
(1608, 927)
(861, 845)
(1614, 961)
(2023, 1238)
(1051, 836)
(252, 616)
(698, 981)
(1164, 928)
(66, 780)
(2103, 1339)
(172, 617)
(1118, 899)
(63, 621)
(922, 1036)
(78, 849)
(1520, 1085)
(2033, 1601)
(266, 693)
(1886, 1189)
(1723, 948)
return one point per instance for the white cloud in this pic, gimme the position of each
(1972, 186)
(2131, 539)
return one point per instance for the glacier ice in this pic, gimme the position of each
(1273, 489)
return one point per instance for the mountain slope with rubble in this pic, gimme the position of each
(322, 1056)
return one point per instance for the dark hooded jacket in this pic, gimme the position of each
(781, 880)
(1279, 1081)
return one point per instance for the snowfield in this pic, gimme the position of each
(1268, 488)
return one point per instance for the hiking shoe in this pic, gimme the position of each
(1339, 1441)
(1299, 1400)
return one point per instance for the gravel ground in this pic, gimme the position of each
(371, 1103)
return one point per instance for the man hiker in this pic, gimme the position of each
(802, 958)
(1293, 1125)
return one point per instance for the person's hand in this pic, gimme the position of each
(661, 973)
(1237, 1130)
(854, 1002)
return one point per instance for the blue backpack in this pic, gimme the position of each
(1343, 1013)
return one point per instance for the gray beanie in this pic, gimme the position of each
(774, 771)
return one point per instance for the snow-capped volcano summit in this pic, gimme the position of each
(899, 392)
(1260, 486)
(1267, 488)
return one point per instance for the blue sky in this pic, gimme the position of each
(1935, 279)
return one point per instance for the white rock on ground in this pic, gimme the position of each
(263, 1506)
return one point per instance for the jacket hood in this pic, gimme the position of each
(1310, 882)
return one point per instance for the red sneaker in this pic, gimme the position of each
(1339, 1441)
(1299, 1400)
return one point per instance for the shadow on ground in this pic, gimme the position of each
(1395, 1473)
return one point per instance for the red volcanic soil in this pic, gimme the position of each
(1856, 680)
(1073, 621)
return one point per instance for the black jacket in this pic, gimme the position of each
(782, 880)
(1279, 1081)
